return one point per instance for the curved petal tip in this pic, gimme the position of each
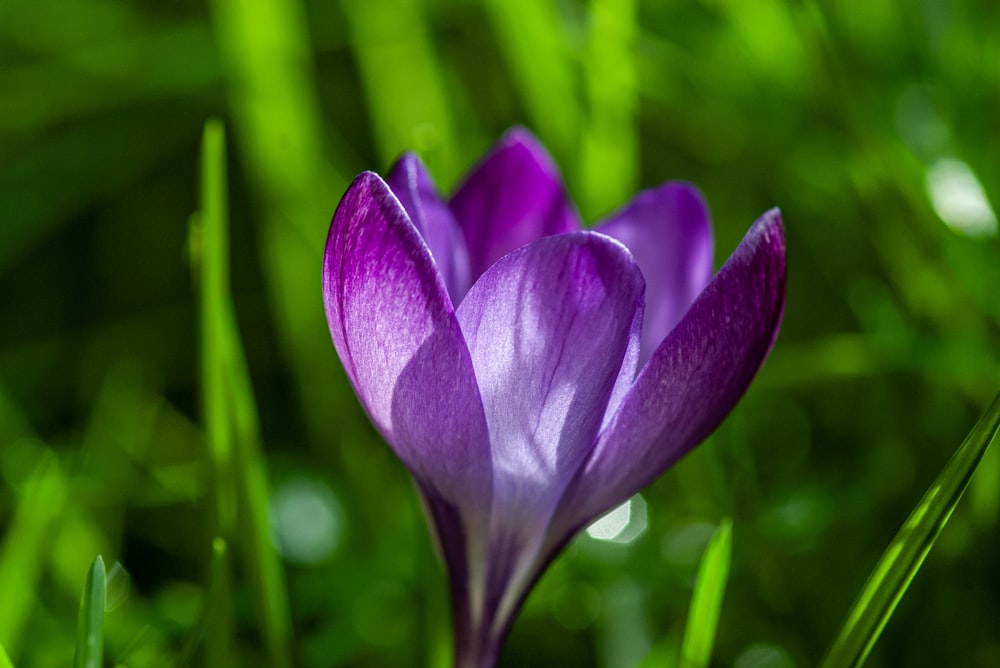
(694, 378)
(513, 197)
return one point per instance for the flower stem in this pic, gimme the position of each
(479, 650)
(477, 644)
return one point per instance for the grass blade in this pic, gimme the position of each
(608, 160)
(89, 630)
(213, 265)
(28, 536)
(706, 602)
(4, 659)
(298, 170)
(397, 62)
(218, 622)
(231, 413)
(214, 623)
(904, 556)
(539, 55)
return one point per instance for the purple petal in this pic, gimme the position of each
(512, 198)
(412, 184)
(692, 381)
(548, 327)
(630, 364)
(669, 232)
(395, 330)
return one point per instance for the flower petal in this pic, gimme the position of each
(669, 232)
(395, 330)
(548, 327)
(630, 364)
(691, 382)
(512, 198)
(412, 184)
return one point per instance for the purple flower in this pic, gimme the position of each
(532, 375)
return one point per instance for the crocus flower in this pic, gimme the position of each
(532, 375)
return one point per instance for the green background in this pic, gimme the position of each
(843, 114)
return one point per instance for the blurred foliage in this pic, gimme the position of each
(850, 116)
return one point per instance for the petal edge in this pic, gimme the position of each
(694, 378)
(513, 197)
(668, 230)
(395, 330)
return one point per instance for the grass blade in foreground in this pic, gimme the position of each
(904, 556)
(706, 602)
(231, 413)
(89, 637)
(4, 659)
(298, 168)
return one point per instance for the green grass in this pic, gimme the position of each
(706, 602)
(4, 659)
(232, 428)
(90, 627)
(905, 555)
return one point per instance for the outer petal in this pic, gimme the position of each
(669, 232)
(512, 198)
(630, 364)
(395, 330)
(692, 380)
(412, 184)
(548, 327)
